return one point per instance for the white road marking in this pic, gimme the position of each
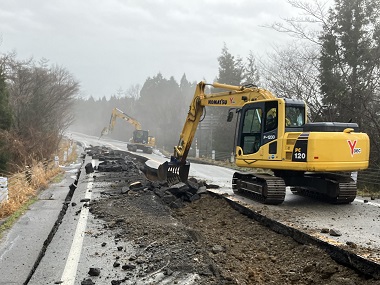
(71, 267)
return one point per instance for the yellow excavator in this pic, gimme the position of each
(312, 158)
(140, 140)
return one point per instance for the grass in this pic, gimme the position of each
(58, 178)
(11, 220)
(365, 191)
(24, 187)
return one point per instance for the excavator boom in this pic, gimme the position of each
(233, 96)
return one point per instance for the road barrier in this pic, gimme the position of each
(3, 189)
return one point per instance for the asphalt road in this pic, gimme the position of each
(22, 260)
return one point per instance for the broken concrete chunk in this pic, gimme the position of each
(351, 244)
(160, 192)
(94, 271)
(179, 189)
(116, 264)
(195, 197)
(128, 266)
(335, 233)
(211, 186)
(168, 198)
(192, 184)
(89, 169)
(87, 282)
(202, 190)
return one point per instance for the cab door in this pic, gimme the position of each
(258, 126)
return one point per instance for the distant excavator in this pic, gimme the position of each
(140, 140)
(273, 133)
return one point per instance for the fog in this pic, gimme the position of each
(115, 44)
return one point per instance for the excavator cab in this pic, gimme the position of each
(140, 136)
(263, 122)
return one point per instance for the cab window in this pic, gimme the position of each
(271, 119)
(251, 132)
(295, 116)
(252, 121)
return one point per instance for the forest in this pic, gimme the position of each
(333, 64)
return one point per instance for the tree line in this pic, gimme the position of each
(35, 110)
(332, 64)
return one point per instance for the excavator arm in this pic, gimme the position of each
(231, 96)
(117, 113)
(236, 96)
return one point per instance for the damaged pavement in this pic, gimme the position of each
(147, 232)
(119, 227)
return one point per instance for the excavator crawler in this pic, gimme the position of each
(312, 158)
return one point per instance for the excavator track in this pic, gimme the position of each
(264, 188)
(339, 191)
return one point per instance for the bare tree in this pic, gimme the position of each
(293, 73)
(308, 25)
(41, 99)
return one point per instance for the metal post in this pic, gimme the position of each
(3, 189)
(196, 148)
(56, 161)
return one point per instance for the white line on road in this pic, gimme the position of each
(70, 271)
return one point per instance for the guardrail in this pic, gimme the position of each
(25, 184)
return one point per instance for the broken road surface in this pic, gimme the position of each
(125, 229)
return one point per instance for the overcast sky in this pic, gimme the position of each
(113, 44)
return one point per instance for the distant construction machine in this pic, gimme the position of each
(273, 133)
(140, 140)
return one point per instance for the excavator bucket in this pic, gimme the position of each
(173, 172)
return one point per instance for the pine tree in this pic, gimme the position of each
(350, 59)
(230, 68)
(220, 136)
(251, 74)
